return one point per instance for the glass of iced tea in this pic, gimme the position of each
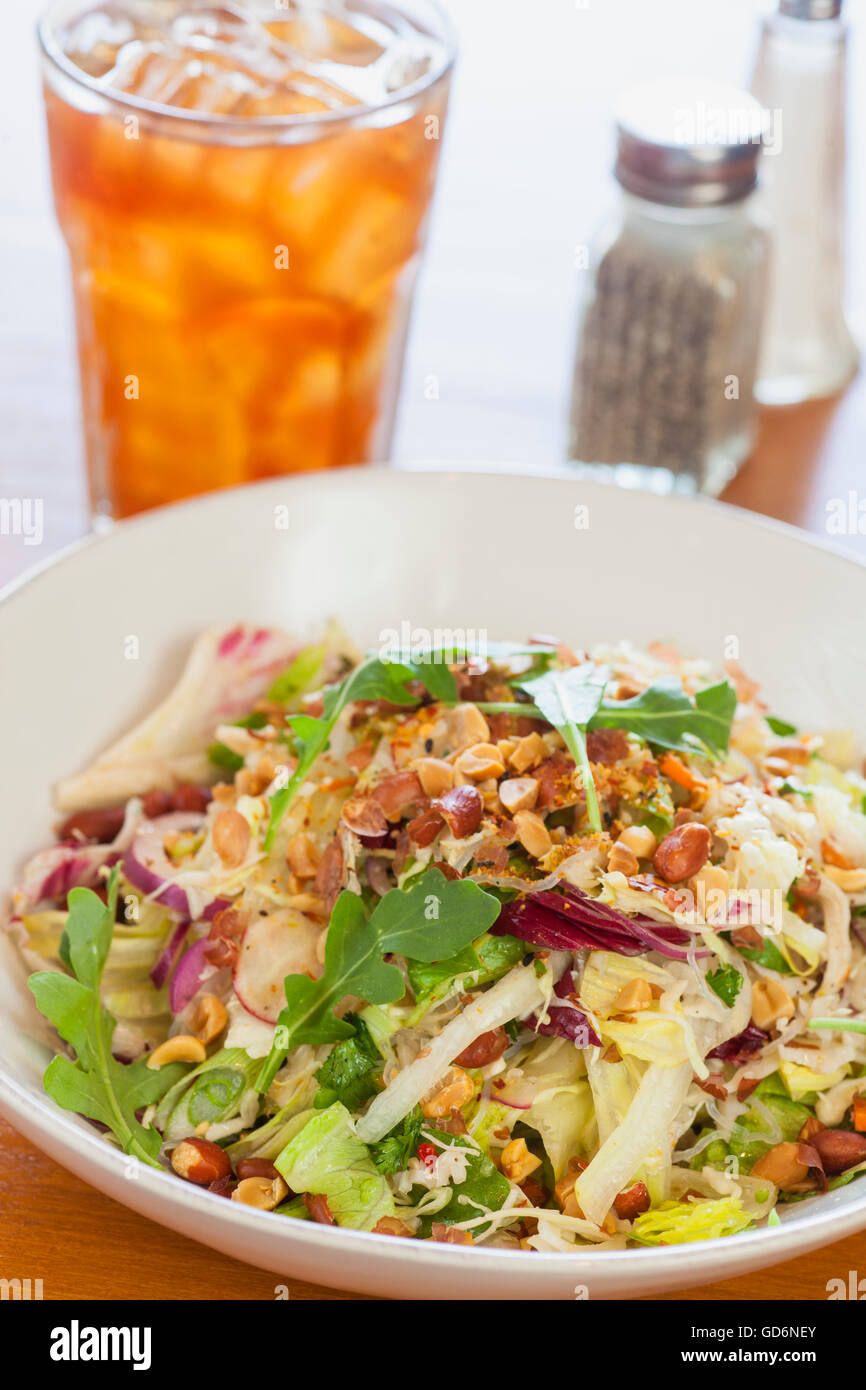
(244, 191)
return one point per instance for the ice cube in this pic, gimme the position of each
(237, 58)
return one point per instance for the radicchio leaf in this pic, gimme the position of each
(563, 1022)
(741, 1047)
(570, 919)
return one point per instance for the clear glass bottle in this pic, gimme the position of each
(799, 78)
(671, 317)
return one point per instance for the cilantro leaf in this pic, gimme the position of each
(96, 1084)
(352, 1071)
(483, 1189)
(568, 700)
(769, 956)
(726, 982)
(434, 918)
(392, 1154)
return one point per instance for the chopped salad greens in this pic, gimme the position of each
(546, 950)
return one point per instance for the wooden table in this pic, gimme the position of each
(523, 183)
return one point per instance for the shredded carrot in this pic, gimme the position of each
(831, 855)
(676, 770)
(337, 784)
(860, 1113)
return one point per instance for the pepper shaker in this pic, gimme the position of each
(671, 318)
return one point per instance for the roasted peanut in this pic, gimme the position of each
(682, 852)
(199, 1161)
(637, 994)
(782, 1165)
(812, 1127)
(231, 837)
(528, 752)
(839, 1148)
(450, 1235)
(209, 1018)
(532, 833)
(632, 1202)
(621, 860)
(453, 1091)
(188, 797)
(99, 826)
(422, 830)
(639, 839)
(363, 816)
(302, 856)
(435, 775)
(480, 761)
(462, 808)
(466, 725)
(264, 1193)
(317, 1206)
(256, 1168)
(181, 1048)
(770, 1002)
(710, 879)
(484, 1050)
(518, 1162)
(564, 1189)
(518, 794)
(391, 1226)
(397, 793)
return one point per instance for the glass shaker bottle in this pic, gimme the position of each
(799, 78)
(671, 316)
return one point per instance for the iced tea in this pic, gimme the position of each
(244, 190)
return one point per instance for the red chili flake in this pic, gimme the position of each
(427, 1154)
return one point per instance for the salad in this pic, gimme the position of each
(541, 950)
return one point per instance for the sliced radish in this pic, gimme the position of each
(272, 947)
(147, 866)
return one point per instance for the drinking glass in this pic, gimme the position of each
(244, 192)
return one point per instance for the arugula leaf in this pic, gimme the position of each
(96, 1084)
(568, 701)
(726, 982)
(435, 917)
(664, 715)
(780, 726)
(392, 1154)
(352, 1071)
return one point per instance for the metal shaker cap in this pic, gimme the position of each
(811, 9)
(688, 142)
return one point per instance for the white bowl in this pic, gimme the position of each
(510, 554)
